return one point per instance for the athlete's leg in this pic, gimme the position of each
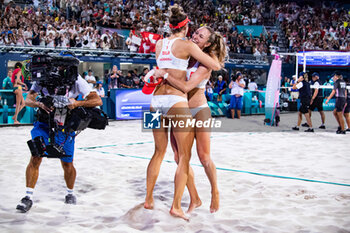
(32, 171)
(69, 174)
(184, 138)
(203, 151)
(160, 144)
(195, 200)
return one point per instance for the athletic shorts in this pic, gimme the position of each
(347, 107)
(236, 102)
(340, 103)
(318, 103)
(42, 129)
(304, 105)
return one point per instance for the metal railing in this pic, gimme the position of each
(233, 57)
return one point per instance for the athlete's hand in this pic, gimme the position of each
(327, 101)
(311, 101)
(159, 73)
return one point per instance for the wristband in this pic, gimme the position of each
(166, 75)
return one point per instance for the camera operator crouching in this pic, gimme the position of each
(50, 126)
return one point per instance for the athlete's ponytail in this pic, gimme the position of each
(217, 45)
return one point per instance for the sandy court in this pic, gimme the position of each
(111, 182)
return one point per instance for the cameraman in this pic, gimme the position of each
(91, 99)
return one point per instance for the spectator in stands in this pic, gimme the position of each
(286, 82)
(209, 90)
(6, 83)
(126, 82)
(252, 86)
(137, 83)
(99, 89)
(328, 30)
(220, 87)
(132, 42)
(113, 80)
(90, 79)
(237, 90)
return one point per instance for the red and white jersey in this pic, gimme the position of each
(193, 69)
(166, 59)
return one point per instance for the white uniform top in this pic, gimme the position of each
(193, 69)
(79, 87)
(166, 59)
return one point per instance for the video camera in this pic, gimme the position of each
(56, 73)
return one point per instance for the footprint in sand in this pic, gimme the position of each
(140, 218)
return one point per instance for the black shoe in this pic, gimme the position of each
(322, 127)
(341, 132)
(25, 204)
(348, 130)
(70, 199)
(295, 128)
(339, 128)
(305, 125)
(309, 130)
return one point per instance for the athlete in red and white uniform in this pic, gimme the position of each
(172, 57)
(197, 77)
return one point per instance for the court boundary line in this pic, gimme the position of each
(229, 169)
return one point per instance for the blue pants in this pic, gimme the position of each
(236, 102)
(68, 141)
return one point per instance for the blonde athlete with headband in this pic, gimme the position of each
(172, 55)
(198, 75)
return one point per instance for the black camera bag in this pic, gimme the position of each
(78, 120)
(99, 119)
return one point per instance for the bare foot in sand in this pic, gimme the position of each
(214, 206)
(193, 205)
(179, 214)
(148, 204)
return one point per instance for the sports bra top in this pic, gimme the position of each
(166, 59)
(193, 69)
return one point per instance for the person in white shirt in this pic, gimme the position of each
(236, 102)
(90, 79)
(252, 85)
(99, 89)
